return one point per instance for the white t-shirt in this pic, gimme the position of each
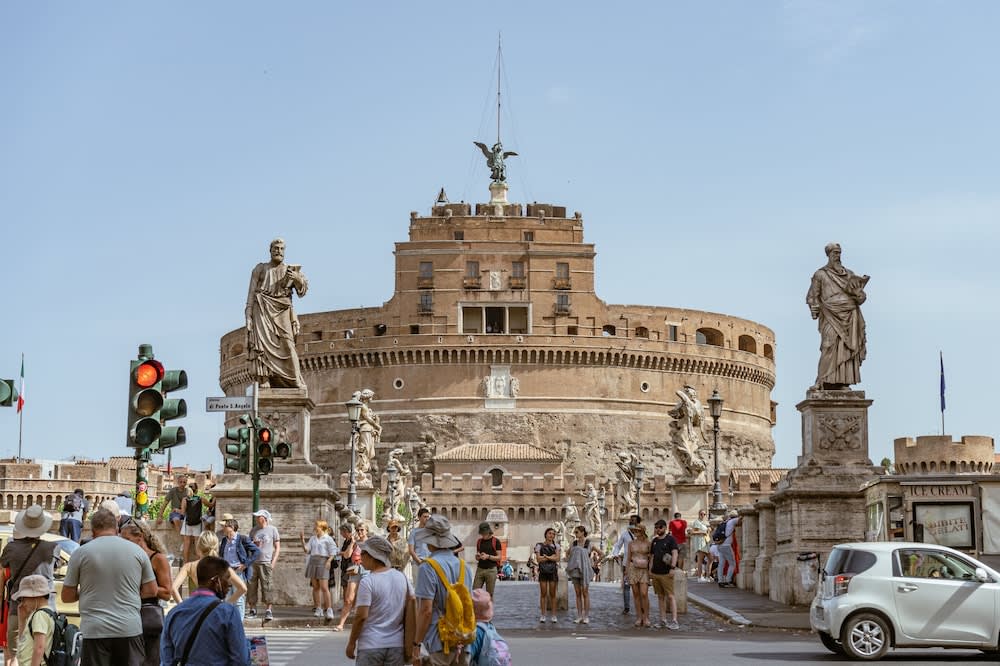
(323, 545)
(385, 593)
(730, 528)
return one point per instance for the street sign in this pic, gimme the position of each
(236, 403)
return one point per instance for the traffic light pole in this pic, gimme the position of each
(253, 435)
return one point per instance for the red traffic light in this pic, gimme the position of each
(148, 373)
(264, 435)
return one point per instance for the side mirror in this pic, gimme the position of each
(981, 575)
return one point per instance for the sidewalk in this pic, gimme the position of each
(745, 608)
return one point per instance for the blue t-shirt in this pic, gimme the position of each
(421, 548)
(429, 586)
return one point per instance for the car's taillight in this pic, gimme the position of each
(841, 583)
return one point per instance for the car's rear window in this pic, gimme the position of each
(848, 561)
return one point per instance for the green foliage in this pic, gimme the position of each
(887, 464)
(156, 506)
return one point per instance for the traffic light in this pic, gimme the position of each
(282, 450)
(173, 408)
(148, 406)
(8, 394)
(265, 450)
(238, 445)
(144, 399)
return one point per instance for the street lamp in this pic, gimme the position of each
(414, 507)
(353, 414)
(718, 508)
(393, 476)
(601, 503)
(638, 470)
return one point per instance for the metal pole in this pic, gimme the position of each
(253, 443)
(352, 488)
(718, 508)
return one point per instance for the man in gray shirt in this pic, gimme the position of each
(265, 537)
(108, 576)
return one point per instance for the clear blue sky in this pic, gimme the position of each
(713, 149)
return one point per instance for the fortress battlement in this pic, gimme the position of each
(934, 454)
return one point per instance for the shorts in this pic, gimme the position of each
(663, 584)
(175, 515)
(580, 581)
(682, 551)
(550, 577)
(190, 530)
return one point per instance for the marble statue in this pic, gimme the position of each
(834, 298)
(413, 498)
(515, 387)
(369, 433)
(687, 433)
(399, 492)
(495, 160)
(271, 323)
(625, 488)
(570, 514)
(591, 509)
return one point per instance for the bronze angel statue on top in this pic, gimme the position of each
(494, 160)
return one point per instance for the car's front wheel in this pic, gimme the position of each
(831, 643)
(865, 636)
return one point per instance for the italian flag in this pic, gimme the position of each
(20, 396)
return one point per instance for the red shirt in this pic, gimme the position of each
(678, 530)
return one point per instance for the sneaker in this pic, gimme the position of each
(268, 616)
(625, 612)
(586, 620)
(553, 619)
(673, 625)
(578, 620)
(317, 612)
(542, 619)
(329, 613)
(252, 613)
(658, 625)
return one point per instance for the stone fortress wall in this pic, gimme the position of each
(511, 297)
(938, 454)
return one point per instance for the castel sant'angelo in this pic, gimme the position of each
(494, 355)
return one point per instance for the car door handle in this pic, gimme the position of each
(907, 588)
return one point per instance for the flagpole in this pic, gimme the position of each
(20, 414)
(941, 357)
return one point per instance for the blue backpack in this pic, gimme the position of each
(493, 649)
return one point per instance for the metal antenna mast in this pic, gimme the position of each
(499, 65)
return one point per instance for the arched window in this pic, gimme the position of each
(641, 332)
(769, 352)
(608, 331)
(709, 336)
(496, 477)
(748, 344)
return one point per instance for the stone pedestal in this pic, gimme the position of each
(749, 532)
(820, 504)
(689, 498)
(680, 594)
(765, 547)
(288, 412)
(295, 500)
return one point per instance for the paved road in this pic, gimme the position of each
(318, 647)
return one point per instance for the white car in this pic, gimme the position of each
(877, 595)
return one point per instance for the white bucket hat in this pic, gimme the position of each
(32, 522)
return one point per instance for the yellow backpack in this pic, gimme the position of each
(457, 625)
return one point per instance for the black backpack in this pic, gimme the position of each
(719, 535)
(193, 511)
(72, 504)
(67, 641)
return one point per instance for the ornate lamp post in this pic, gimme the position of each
(638, 470)
(353, 414)
(601, 503)
(414, 507)
(718, 508)
(393, 477)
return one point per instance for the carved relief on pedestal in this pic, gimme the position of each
(840, 432)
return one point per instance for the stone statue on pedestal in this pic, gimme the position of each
(835, 296)
(399, 488)
(369, 433)
(625, 491)
(687, 433)
(591, 509)
(271, 323)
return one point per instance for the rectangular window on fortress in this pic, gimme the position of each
(472, 320)
(562, 270)
(517, 269)
(459, 235)
(671, 333)
(529, 236)
(426, 269)
(426, 301)
(472, 269)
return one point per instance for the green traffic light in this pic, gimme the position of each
(8, 394)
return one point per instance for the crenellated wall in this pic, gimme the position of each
(938, 454)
